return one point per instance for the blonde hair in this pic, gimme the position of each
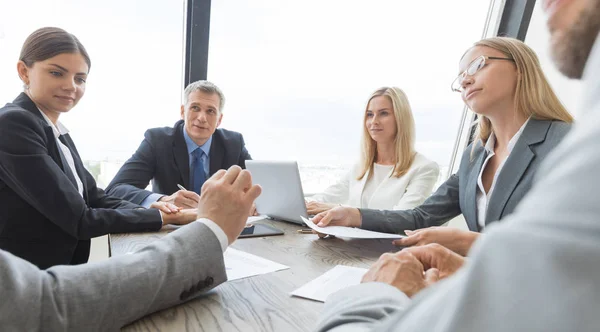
(533, 95)
(405, 135)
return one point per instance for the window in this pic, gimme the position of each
(135, 82)
(297, 74)
(568, 90)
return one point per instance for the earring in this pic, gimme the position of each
(26, 86)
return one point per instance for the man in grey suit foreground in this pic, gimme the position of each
(109, 294)
(537, 271)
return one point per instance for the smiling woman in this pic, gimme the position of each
(53, 206)
(390, 173)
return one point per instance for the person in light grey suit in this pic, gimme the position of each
(520, 122)
(107, 295)
(539, 270)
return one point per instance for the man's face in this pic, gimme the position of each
(574, 26)
(201, 115)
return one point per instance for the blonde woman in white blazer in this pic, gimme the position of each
(390, 174)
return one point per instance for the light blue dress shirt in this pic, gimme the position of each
(191, 147)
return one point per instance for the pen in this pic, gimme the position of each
(305, 231)
(180, 187)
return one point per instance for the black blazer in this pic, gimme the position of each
(163, 158)
(43, 218)
(459, 193)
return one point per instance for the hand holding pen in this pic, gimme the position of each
(183, 198)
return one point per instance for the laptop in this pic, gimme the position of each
(282, 197)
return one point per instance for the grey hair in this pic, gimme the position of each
(204, 86)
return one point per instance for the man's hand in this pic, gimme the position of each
(403, 271)
(226, 199)
(435, 256)
(184, 199)
(454, 239)
(313, 207)
(339, 216)
(253, 211)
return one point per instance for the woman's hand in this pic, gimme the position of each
(183, 217)
(318, 207)
(165, 207)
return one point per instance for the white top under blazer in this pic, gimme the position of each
(392, 193)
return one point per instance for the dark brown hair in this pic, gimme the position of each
(49, 42)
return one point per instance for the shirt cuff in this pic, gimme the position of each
(219, 233)
(150, 199)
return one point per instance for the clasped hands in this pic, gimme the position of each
(413, 269)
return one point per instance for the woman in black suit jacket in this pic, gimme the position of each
(51, 207)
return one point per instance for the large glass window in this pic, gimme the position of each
(297, 74)
(135, 82)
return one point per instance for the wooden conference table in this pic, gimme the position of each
(260, 303)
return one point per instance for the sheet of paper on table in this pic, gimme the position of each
(350, 232)
(256, 218)
(239, 264)
(330, 282)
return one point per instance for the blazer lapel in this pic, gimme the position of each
(217, 154)
(471, 189)
(359, 190)
(515, 166)
(24, 101)
(180, 154)
(78, 164)
(52, 147)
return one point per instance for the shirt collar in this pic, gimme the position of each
(192, 146)
(491, 142)
(58, 129)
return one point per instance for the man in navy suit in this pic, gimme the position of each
(183, 155)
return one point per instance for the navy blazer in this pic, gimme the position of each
(163, 159)
(43, 218)
(459, 193)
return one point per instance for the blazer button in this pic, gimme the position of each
(184, 295)
(208, 281)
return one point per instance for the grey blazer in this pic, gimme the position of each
(107, 295)
(459, 193)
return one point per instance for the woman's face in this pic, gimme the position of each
(380, 120)
(55, 84)
(493, 86)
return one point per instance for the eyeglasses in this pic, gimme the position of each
(474, 67)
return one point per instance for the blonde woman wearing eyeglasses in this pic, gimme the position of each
(390, 173)
(520, 121)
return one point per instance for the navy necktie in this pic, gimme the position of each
(198, 176)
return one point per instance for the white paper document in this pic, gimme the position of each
(239, 264)
(255, 218)
(351, 232)
(330, 282)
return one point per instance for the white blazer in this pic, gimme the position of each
(394, 193)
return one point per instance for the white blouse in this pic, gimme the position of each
(483, 198)
(380, 173)
(382, 191)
